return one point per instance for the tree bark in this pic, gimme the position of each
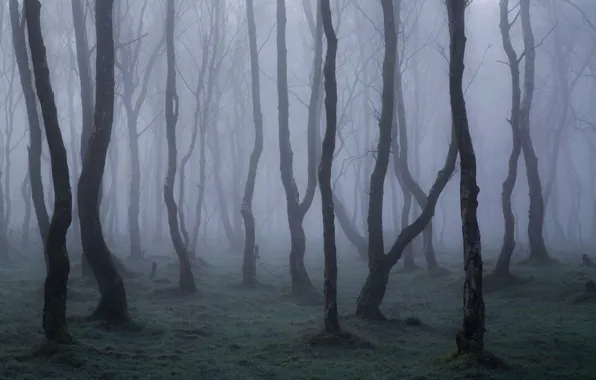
(249, 275)
(55, 286)
(331, 320)
(538, 251)
(473, 320)
(186, 279)
(35, 135)
(113, 306)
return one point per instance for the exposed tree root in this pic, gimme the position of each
(340, 339)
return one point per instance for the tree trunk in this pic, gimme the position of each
(538, 251)
(26, 193)
(249, 275)
(473, 320)
(186, 279)
(113, 306)
(55, 286)
(35, 135)
(86, 87)
(331, 320)
(503, 263)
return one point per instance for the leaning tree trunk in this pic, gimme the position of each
(501, 270)
(380, 264)
(35, 136)
(538, 251)
(55, 286)
(249, 275)
(113, 306)
(331, 319)
(186, 279)
(472, 334)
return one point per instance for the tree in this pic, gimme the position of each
(113, 306)
(296, 209)
(331, 320)
(471, 337)
(35, 136)
(55, 286)
(538, 251)
(186, 280)
(379, 262)
(248, 266)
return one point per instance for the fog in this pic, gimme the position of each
(215, 129)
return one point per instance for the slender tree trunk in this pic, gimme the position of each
(186, 280)
(35, 134)
(113, 306)
(330, 319)
(538, 251)
(55, 286)
(249, 275)
(473, 320)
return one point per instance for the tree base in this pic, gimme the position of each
(338, 339)
(475, 358)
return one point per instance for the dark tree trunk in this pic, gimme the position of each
(331, 319)
(503, 263)
(113, 306)
(186, 279)
(249, 275)
(55, 286)
(35, 135)
(379, 263)
(296, 210)
(473, 320)
(538, 251)
(86, 86)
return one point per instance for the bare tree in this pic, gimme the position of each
(248, 266)
(471, 338)
(379, 262)
(331, 319)
(35, 136)
(186, 280)
(113, 306)
(55, 286)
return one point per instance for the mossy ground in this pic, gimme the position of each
(540, 328)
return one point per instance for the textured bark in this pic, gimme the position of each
(296, 210)
(473, 320)
(35, 136)
(186, 279)
(504, 260)
(538, 251)
(331, 320)
(86, 87)
(249, 275)
(55, 286)
(380, 264)
(112, 306)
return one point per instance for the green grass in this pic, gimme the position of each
(226, 332)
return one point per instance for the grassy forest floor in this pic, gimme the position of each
(541, 328)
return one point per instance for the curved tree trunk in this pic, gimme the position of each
(186, 280)
(473, 320)
(249, 275)
(113, 306)
(55, 286)
(35, 136)
(331, 320)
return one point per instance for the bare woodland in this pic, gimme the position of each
(209, 175)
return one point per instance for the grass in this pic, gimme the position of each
(543, 328)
